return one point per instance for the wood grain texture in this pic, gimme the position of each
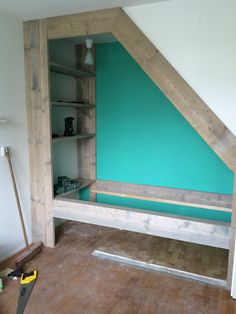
(87, 23)
(206, 232)
(176, 89)
(86, 92)
(72, 281)
(181, 255)
(212, 201)
(39, 129)
(232, 249)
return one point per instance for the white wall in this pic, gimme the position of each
(198, 39)
(13, 134)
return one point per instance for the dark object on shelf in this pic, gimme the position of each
(77, 102)
(54, 135)
(64, 185)
(64, 181)
(72, 101)
(69, 126)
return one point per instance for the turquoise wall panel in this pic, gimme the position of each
(142, 138)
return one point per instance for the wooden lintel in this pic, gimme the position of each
(199, 231)
(86, 23)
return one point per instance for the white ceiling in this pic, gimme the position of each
(34, 9)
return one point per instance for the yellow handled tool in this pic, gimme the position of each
(27, 283)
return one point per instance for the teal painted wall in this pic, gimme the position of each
(142, 138)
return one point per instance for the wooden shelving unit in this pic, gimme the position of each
(58, 68)
(72, 104)
(72, 137)
(84, 115)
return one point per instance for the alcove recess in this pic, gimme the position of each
(73, 94)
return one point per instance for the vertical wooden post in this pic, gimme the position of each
(232, 258)
(86, 92)
(39, 129)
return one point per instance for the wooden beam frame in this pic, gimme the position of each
(182, 96)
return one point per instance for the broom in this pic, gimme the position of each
(34, 248)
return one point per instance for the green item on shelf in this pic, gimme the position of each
(64, 185)
(64, 181)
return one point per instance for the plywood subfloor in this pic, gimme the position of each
(190, 257)
(72, 281)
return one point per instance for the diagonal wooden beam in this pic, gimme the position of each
(176, 89)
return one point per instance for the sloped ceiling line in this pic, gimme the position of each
(176, 89)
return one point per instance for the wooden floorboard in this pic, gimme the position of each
(72, 281)
(194, 258)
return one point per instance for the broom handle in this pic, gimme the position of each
(17, 197)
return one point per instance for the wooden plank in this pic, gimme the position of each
(32, 73)
(212, 201)
(232, 249)
(87, 23)
(38, 115)
(200, 231)
(86, 92)
(176, 89)
(58, 68)
(72, 104)
(72, 137)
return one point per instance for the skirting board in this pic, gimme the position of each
(182, 228)
(160, 268)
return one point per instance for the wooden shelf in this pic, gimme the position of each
(73, 137)
(197, 199)
(72, 104)
(58, 68)
(84, 183)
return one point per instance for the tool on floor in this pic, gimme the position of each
(26, 286)
(35, 248)
(1, 285)
(15, 273)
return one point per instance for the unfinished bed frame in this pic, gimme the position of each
(191, 106)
